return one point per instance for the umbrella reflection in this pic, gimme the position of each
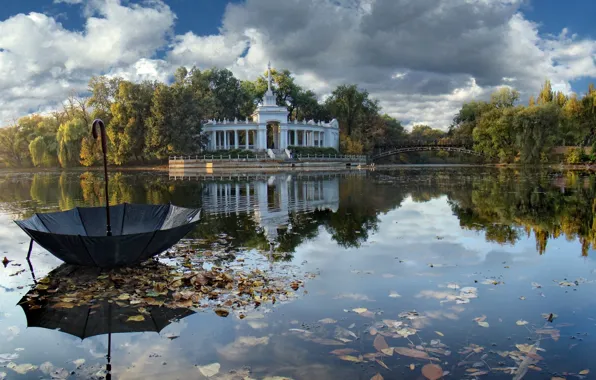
(59, 304)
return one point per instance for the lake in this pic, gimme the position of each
(409, 273)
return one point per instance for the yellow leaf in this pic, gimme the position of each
(124, 297)
(136, 318)
(387, 351)
(521, 322)
(584, 372)
(360, 310)
(63, 305)
(558, 378)
(377, 377)
(382, 364)
(412, 367)
(439, 333)
(350, 358)
(483, 324)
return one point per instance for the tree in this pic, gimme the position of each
(103, 93)
(126, 130)
(504, 97)
(14, 150)
(69, 138)
(348, 104)
(536, 130)
(546, 94)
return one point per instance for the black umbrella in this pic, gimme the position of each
(123, 235)
(97, 316)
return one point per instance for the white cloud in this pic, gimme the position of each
(41, 62)
(422, 61)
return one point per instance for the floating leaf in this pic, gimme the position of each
(59, 373)
(522, 298)
(584, 372)
(2, 375)
(136, 318)
(483, 324)
(79, 362)
(387, 351)
(380, 362)
(558, 378)
(394, 294)
(63, 305)
(343, 351)
(21, 369)
(210, 369)
(372, 331)
(439, 333)
(521, 322)
(350, 358)
(412, 367)
(432, 372)
(380, 344)
(327, 321)
(360, 310)
(377, 377)
(410, 352)
(222, 312)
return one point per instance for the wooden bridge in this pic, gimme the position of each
(464, 146)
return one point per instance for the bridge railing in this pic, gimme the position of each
(453, 142)
(331, 157)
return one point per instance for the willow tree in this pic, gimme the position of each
(69, 138)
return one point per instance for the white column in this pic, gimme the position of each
(235, 138)
(295, 142)
(212, 142)
(323, 139)
(247, 137)
(225, 139)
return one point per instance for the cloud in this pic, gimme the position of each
(41, 62)
(421, 58)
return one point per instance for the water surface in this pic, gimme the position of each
(457, 263)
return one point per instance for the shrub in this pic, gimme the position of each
(311, 150)
(575, 156)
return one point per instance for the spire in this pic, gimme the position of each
(269, 76)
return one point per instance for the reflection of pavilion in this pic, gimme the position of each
(272, 200)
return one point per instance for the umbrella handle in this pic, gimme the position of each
(98, 123)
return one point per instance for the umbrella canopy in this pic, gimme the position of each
(92, 313)
(138, 232)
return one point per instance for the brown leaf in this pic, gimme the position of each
(377, 377)
(63, 305)
(558, 378)
(432, 371)
(382, 364)
(380, 344)
(343, 351)
(372, 331)
(222, 312)
(350, 358)
(410, 352)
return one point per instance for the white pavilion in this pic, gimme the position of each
(269, 128)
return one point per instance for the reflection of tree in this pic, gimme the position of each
(506, 205)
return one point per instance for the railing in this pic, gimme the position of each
(221, 157)
(331, 157)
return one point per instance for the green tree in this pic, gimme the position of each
(69, 137)
(536, 130)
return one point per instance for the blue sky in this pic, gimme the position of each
(421, 58)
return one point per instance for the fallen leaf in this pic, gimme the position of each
(432, 372)
(439, 333)
(410, 352)
(584, 372)
(558, 378)
(380, 344)
(2, 375)
(21, 369)
(521, 322)
(79, 362)
(136, 318)
(483, 324)
(394, 294)
(63, 305)
(326, 342)
(372, 331)
(222, 312)
(59, 373)
(360, 310)
(327, 321)
(350, 358)
(209, 369)
(522, 298)
(380, 362)
(343, 351)
(387, 351)
(377, 377)
(412, 367)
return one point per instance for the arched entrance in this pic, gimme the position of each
(273, 134)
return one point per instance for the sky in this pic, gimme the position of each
(422, 59)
